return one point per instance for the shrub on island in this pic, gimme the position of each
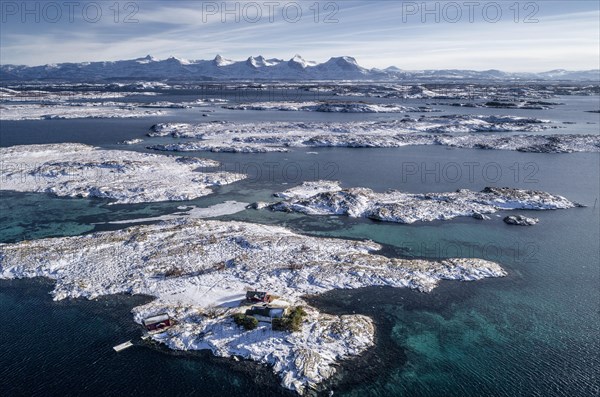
(291, 322)
(248, 322)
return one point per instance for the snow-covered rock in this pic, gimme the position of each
(520, 220)
(131, 141)
(258, 205)
(77, 170)
(481, 217)
(328, 198)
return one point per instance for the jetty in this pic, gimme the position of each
(122, 346)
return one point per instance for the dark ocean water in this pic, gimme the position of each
(533, 333)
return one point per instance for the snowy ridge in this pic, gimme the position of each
(259, 67)
(77, 170)
(328, 198)
(199, 271)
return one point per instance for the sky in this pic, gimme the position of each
(525, 36)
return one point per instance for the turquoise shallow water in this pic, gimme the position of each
(533, 333)
(65, 348)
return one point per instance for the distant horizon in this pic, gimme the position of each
(285, 59)
(414, 35)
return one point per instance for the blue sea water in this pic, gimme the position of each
(533, 333)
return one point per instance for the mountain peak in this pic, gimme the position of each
(298, 62)
(254, 62)
(220, 61)
(260, 61)
(344, 60)
(393, 69)
(147, 59)
(344, 64)
(180, 61)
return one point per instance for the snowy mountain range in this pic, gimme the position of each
(260, 68)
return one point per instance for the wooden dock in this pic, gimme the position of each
(123, 346)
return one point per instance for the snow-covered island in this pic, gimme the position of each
(57, 109)
(329, 198)
(63, 93)
(75, 110)
(460, 131)
(330, 107)
(77, 170)
(424, 124)
(199, 272)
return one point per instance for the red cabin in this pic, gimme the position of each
(257, 296)
(158, 322)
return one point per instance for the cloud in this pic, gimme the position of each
(379, 34)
